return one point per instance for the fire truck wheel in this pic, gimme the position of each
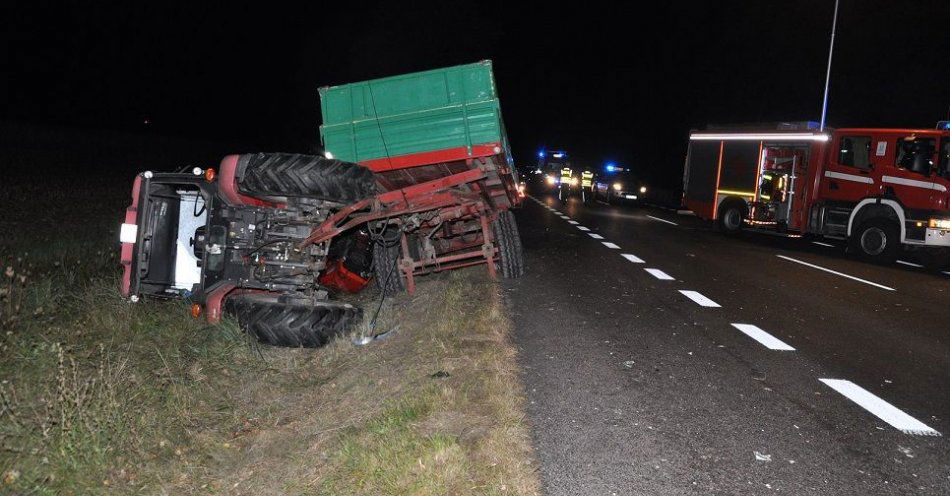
(508, 242)
(730, 218)
(877, 240)
(293, 324)
(291, 174)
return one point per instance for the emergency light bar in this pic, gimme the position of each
(758, 137)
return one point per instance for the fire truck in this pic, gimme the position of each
(880, 189)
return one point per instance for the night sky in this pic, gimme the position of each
(622, 82)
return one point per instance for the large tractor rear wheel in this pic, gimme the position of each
(291, 174)
(293, 323)
(508, 242)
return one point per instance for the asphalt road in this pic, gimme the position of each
(634, 387)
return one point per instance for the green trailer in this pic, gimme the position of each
(415, 119)
(436, 143)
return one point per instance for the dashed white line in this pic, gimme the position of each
(765, 339)
(701, 300)
(659, 274)
(662, 220)
(610, 245)
(819, 243)
(632, 258)
(880, 408)
(582, 228)
(910, 264)
(573, 222)
(835, 272)
(595, 236)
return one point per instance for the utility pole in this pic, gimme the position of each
(831, 51)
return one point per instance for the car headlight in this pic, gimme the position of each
(573, 181)
(618, 186)
(940, 224)
(550, 180)
(643, 189)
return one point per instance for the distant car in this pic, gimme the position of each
(619, 187)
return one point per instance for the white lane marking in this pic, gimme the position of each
(632, 258)
(880, 408)
(573, 222)
(765, 339)
(819, 243)
(849, 177)
(790, 259)
(659, 274)
(662, 220)
(610, 245)
(913, 182)
(699, 298)
(595, 236)
(582, 228)
(910, 264)
(947, 272)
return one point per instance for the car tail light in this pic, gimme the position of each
(196, 310)
(209, 175)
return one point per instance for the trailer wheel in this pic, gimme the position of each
(508, 242)
(290, 323)
(386, 254)
(876, 240)
(389, 279)
(730, 217)
(290, 174)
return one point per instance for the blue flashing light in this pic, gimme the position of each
(943, 125)
(541, 154)
(610, 167)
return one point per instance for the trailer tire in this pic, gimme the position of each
(508, 243)
(388, 277)
(386, 254)
(876, 240)
(291, 324)
(731, 213)
(291, 174)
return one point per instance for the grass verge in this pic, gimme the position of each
(101, 396)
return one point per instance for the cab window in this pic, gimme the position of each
(855, 151)
(916, 154)
(944, 169)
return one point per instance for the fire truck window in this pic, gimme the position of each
(855, 151)
(916, 154)
(945, 156)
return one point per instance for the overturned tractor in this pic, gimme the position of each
(270, 237)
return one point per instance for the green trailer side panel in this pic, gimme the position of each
(412, 113)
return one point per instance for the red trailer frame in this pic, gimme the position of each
(462, 192)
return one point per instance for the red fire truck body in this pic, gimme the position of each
(880, 189)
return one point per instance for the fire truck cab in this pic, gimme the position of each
(880, 189)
